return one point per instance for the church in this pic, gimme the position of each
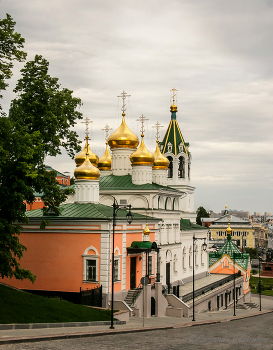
(74, 252)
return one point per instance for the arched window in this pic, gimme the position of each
(181, 167)
(189, 169)
(170, 169)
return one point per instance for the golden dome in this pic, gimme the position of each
(142, 156)
(106, 160)
(87, 170)
(80, 157)
(229, 230)
(146, 231)
(173, 107)
(160, 161)
(123, 137)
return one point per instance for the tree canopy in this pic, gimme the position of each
(39, 124)
(10, 44)
(201, 213)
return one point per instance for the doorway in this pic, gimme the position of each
(133, 272)
(168, 274)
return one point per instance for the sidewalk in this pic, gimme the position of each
(135, 324)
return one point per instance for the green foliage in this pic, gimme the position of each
(39, 124)
(254, 272)
(22, 307)
(252, 252)
(10, 45)
(201, 213)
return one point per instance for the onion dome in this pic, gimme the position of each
(87, 171)
(160, 161)
(142, 156)
(229, 230)
(173, 107)
(106, 160)
(80, 157)
(123, 137)
(146, 231)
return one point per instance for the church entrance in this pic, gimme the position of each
(133, 272)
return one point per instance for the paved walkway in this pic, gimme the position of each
(135, 324)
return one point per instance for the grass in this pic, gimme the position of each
(22, 307)
(266, 283)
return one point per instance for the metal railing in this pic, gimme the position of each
(209, 287)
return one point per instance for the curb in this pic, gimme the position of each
(121, 331)
(57, 325)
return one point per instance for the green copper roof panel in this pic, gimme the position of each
(187, 225)
(113, 182)
(232, 250)
(87, 211)
(174, 136)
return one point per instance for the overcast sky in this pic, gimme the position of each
(218, 54)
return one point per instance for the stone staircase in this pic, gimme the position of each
(132, 296)
(246, 306)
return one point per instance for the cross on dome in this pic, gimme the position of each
(157, 126)
(142, 119)
(87, 121)
(123, 95)
(106, 129)
(174, 94)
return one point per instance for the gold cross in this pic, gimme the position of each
(174, 94)
(157, 126)
(86, 122)
(106, 129)
(123, 96)
(142, 119)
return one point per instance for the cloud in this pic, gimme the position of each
(217, 53)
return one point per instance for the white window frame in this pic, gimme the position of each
(86, 257)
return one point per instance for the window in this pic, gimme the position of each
(170, 147)
(181, 167)
(91, 265)
(181, 148)
(189, 169)
(116, 270)
(170, 169)
(91, 270)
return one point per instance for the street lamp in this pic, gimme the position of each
(129, 218)
(260, 286)
(204, 246)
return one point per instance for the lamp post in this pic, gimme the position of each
(129, 218)
(204, 246)
(260, 286)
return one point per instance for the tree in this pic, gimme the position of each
(10, 44)
(39, 124)
(201, 213)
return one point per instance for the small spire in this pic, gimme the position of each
(173, 106)
(142, 119)
(123, 95)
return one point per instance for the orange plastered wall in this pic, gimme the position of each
(118, 244)
(56, 260)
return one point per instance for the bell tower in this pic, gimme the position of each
(176, 150)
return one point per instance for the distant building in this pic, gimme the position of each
(63, 179)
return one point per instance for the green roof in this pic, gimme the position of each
(113, 182)
(49, 168)
(187, 225)
(141, 245)
(232, 250)
(86, 211)
(174, 136)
